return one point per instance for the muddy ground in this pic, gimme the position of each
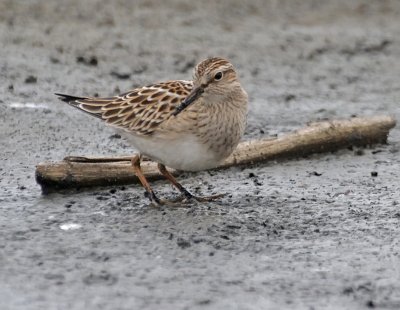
(314, 233)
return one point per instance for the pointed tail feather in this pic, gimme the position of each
(69, 99)
(79, 103)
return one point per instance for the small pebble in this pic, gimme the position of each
(31, 79)
(90, 61)
(370, 304)
(182, 243)
(115, 136)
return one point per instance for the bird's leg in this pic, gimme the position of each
(186, 194)
(138, 171)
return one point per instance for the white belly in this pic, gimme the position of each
(185, 153)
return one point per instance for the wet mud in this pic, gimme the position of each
(312, 233)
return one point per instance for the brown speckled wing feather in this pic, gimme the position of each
(141, 110)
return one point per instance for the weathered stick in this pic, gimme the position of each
(77, 172)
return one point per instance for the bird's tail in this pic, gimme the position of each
(85, 104)
(70, 99)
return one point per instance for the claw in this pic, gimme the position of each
(188, 197)
(208, 198)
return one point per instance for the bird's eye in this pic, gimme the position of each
(218, 76)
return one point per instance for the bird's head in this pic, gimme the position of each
(214, 79)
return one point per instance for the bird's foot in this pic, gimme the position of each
(188, 197)
(157, 202)
(182, 201)
(154, 200)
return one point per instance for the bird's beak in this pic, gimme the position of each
(189, 100)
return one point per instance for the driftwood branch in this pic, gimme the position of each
(77, 172)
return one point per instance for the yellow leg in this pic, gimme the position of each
(184, 191)
(138, 171)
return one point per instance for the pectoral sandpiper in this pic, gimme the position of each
(185, 125)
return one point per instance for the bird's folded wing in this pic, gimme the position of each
(140, 111)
